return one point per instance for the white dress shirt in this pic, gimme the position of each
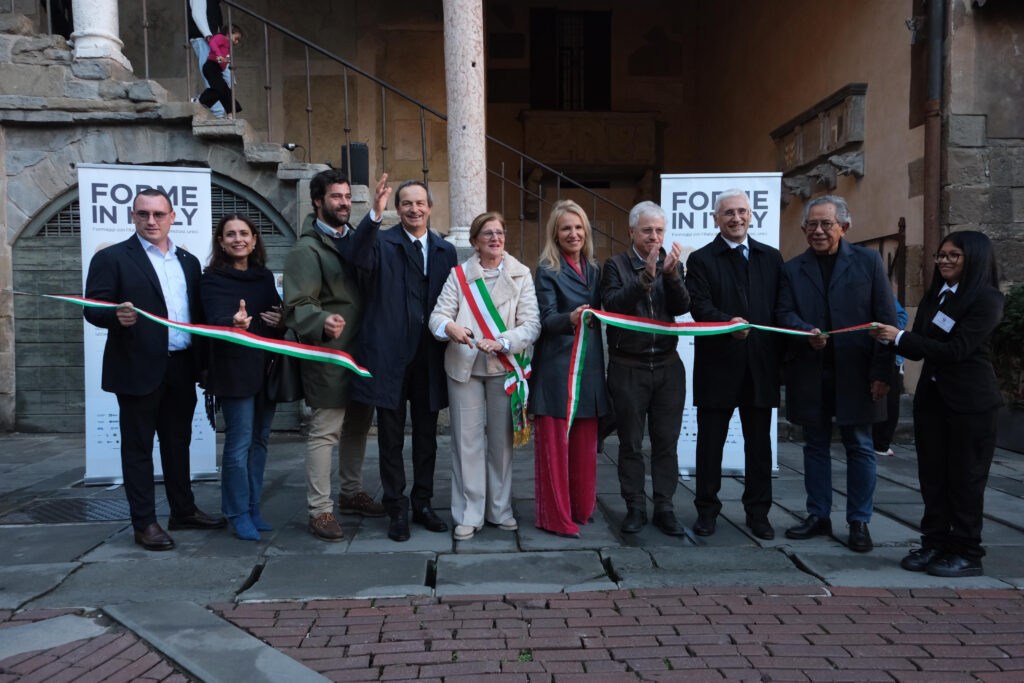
(174, 288)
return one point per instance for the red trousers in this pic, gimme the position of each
(566, 473)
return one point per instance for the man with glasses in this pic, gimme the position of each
(831, 286)
(646, 379)
(152, 369)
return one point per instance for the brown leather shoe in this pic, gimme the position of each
(197, 520)
(153, 537)
(326, 528)
(360, 504)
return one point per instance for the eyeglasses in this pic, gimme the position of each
(941, 256)
(812, 226)
(158, 216)
(489, 234)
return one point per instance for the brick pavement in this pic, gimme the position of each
(114, 657)
(693, 634)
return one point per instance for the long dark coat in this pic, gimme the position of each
(717, 295)
(388, 320)
(558, 295)
(858, 293)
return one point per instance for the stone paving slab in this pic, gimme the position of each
(880, 567)
(353, 575)
(21, 583)
(65, 542)
(207, 647)
(173, 578)
(46, 634)
(671, 566)
(542, 572)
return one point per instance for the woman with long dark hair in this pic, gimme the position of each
(956, 402)
(238, 291)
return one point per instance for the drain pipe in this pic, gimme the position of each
(933, 139)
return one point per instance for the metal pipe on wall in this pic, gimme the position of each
(933, 139)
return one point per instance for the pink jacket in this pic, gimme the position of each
(220, 51)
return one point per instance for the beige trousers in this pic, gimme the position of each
(330, 427)
(481, 465)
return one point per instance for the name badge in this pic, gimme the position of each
(943, 321)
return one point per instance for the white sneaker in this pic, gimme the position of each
(882, 454)
(464, 532)
(509, 524)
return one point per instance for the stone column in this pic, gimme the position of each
(467, 146)
(97, 31)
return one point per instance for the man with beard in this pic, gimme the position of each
(324, 308)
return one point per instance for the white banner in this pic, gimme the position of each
(688, 201)
(105, 194)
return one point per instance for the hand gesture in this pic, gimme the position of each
(672, 260)
(380, 196)
(652, 263)
(574, 317)
(878, 390)
(273, 318)
(740, 334)
(489, 346)
(459, 334)
(126, 314)
(241, 319)
(884, 332)
(333, 326)
(817, 340)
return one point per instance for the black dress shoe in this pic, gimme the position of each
(860, 538)
(153, 537)
(919, 559)
(705, 526)
(813, 525)
(667, 523)
(634, 521)
(197, 520)
(398, 530)
(761, 527)
(429, 519)
(954, 566)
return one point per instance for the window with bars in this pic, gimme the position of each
(67, 221)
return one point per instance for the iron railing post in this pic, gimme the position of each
(145, 35)
(188, 58)
(267, 85)
(423, 146)
(309, 112)
(384, 131)
(231, 60)
(348, 128)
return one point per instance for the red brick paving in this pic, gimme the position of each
(113, 657)
(703, 634)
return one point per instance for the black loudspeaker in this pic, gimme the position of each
(360, 172)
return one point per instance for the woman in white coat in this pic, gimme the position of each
(489, 328)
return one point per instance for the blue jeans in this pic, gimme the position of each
(860, 469)
(246, 432)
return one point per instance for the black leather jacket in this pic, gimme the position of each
(627, 288)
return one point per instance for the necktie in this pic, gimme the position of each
(417, 256)
(743, 252)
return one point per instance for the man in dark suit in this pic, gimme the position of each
(152, 370)
(734, 278)
(833, 285)
(403, 271)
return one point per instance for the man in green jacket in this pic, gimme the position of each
(323, 307)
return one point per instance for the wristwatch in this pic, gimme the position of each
(506, 345)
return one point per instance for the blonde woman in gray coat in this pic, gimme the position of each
(488, 313)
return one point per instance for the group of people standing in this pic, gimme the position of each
(433, 333)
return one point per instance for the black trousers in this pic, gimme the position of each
(219, 90)
(882, 432)
(655, 397)
(954, 454)
(712, 430)
(167, 412)
(391, 440)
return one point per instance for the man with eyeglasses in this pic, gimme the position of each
(831, 286)
(735, 278)
(646, 378)
(152, 369)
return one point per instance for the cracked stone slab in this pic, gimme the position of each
(21, 583)
(208, 647)
(542, 572)
(354, 575)
(47, 634)
(52, 543)
(734, 566)
(201, 579)
(878, 568)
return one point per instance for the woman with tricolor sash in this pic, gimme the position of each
(568, 280)
(488, 313)
(238, 291)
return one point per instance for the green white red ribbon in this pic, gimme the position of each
(628, 322)
(518, 365)
(231, 335)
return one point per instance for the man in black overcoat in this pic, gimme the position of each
(153, 370)
(734, 278)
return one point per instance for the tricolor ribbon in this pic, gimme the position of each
(628, 322)
(229, 334)
(518, 364)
